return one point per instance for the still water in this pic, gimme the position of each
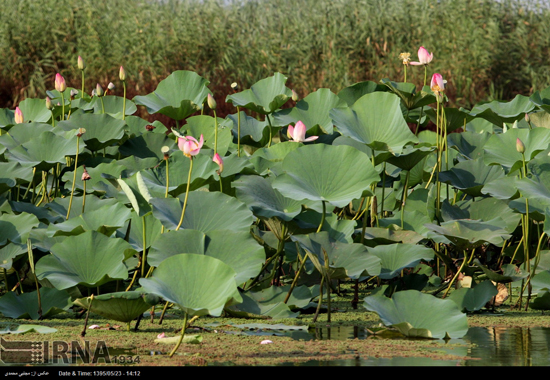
(492, 346)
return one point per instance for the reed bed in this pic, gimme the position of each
(485, 49)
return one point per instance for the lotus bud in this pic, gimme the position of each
(85, 175)
(98, 90)
(60, 84)
(218, 160)
(18, 116)
(295, 96)
(211, 102)
(80, 64)
(49, 104)
(122, 74)
(111, 86)
(527, 118)
(520, 147)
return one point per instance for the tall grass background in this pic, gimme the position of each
(485, 49)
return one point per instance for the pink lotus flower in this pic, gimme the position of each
(298, 133)
(190, 146)
(438, 84)
(423, 57)
(218, 160)
(267, 341)
(18, 116)
(60, 84)
(160, 336)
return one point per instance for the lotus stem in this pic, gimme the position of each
(322, 217)
(270, 131)
(186, 194)
(320, 299)
(404, 198)
(62, 106)
(144, 254)
(215, 133)
(74, 176)
(238, 132)
(124, 101)
(181, 336)
(295, 281)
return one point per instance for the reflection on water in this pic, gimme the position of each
(491, 346)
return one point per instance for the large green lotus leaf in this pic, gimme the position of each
(395, 257)
(235, 165)
(46, 150)
(60, 206)
(376, 120)
(499, 112)
(203, 172)
(375, 236)
(16, 228)
(178, 96)
(299, 298)
(112, 104)
(11, 252)
(153, 229)
(25, 305)
(346, 260)
(106, 219)
(537, 191)
(407, 92)
(22, 133)
(410, 156)
(136, 126)
(22, 329)
(541, 302)
(256, 304)
(338, 229)
(474, 299)
(455, 118)
(250, 126)
(501, 147)
(7, 118)
(120, 306)
(147, 145)
(265, 201)
(470, 176)
(6, 184)
(467, 234)
(420, 315)
(270, 159)
(468, 144)
(239, 250)
(89, 259)
(205, 125)
(510, 273)
(264, 97)
(502, 188)
(101, 130)
(352, 93)
(12, 171)
(313, 111)
(35, 110)
(542, 99)
(205, 212)
(413, 220)
(322, 173)
(197, 284)
(484, 209)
